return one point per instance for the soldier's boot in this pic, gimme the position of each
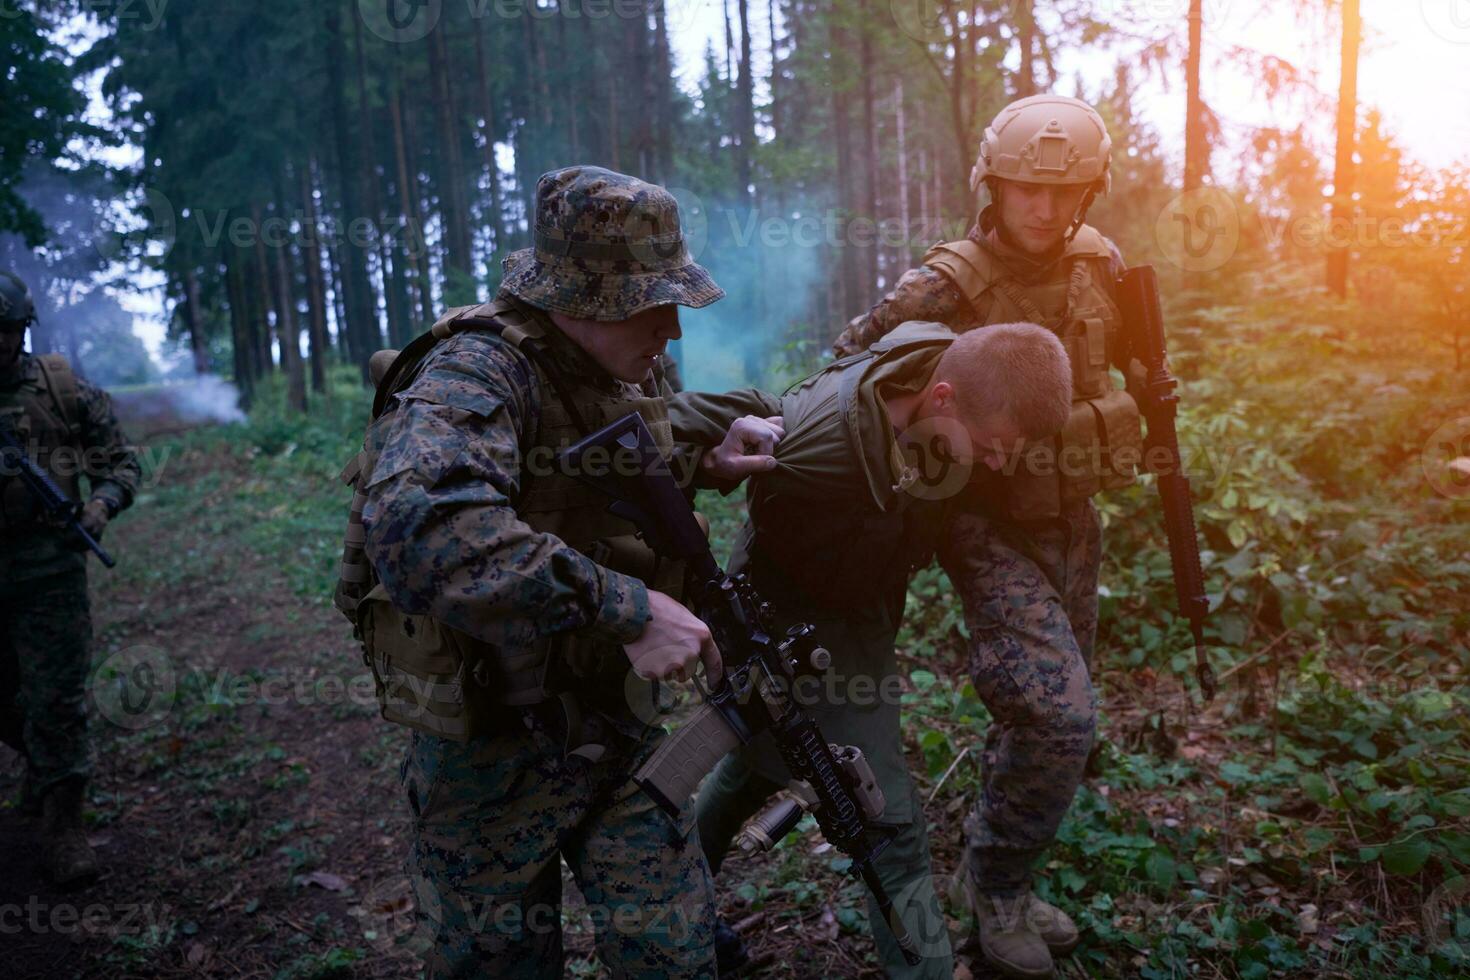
(1007, 940)
(69, 858)
(1054, 926)
(730, 952)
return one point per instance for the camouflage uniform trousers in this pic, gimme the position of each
(1033, 622)
(45, 641)
(735, 792)
(747, 778)
(492, 820)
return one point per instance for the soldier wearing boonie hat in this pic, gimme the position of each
(502, 607)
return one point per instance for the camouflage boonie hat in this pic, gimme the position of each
(607, 246)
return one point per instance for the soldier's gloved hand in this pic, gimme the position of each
(673, 642)
(747, 448)
(94, 518)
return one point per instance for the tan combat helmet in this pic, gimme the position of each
(1046, 139)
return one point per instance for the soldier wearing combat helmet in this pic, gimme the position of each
(1034, 544)
(501, 606)
(66, 427)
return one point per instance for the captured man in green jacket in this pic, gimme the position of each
(880, 450)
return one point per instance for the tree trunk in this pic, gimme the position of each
(868, 266)
(1196, 153)
(745, 105)
(1026, 38)
(396, 313)
(457, 260)
(409, 238)
(1345, 173)
(316, 293)
(358, 297)
(287, 330)
(663, 75)
(195, 316)
(489, 128)
(419, 240)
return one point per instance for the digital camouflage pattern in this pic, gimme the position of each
(1030, 598)
(493, 819)
(45, 639)
(493, 815)
(1030, 603)
(45, 624)
(607, 246)
(101, 453)
(441, 525)
(834, 545)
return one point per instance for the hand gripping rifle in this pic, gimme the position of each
(833, 782)
(53, 501)
(1143, 324)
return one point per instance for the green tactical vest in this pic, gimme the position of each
(839, 454)
(437, 679)
(45, 413)
(1102, 441)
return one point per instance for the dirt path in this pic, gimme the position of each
(252, 826)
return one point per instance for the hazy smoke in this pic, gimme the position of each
(162, 408)
(770, 282)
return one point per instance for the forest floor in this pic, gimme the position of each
(1313, 821)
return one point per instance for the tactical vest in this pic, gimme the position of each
(46, 415)
(437, 679)
(874, 534)
(1101, 444)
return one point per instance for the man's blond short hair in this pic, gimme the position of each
(1019, 369)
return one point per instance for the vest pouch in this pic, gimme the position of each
(1121, 431)
(419, 670)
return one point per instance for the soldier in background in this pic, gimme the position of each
(68, 428)
(1035, 547)
(509, 604)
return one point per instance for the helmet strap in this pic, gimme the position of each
(1082, 210)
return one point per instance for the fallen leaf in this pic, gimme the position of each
(197, 954)
(323, 879)
(827, 925)
(1307, 919)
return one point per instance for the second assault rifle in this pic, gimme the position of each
(53, 502)
(834, 783)
(1143, 319)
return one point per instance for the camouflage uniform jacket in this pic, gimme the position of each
(109, 462)
(926, 293)
(441, 523)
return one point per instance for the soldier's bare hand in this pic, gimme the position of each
(747, 448)
(673, 643)
(94, 518)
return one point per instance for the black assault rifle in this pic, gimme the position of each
(58, 508)
(1143, 323)
(833, 782)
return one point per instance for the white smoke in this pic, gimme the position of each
(206, 398)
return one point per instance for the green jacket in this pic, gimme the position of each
(833, 536)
